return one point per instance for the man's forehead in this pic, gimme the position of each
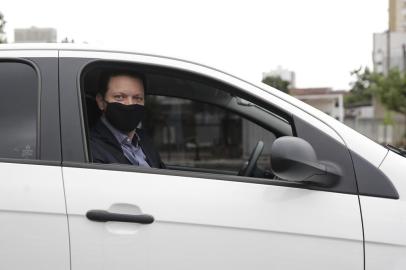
(126, 82)
(124, 86)
(121, 78)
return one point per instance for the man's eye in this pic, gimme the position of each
(118, 97)
(139, 99)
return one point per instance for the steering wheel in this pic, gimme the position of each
(252, 161)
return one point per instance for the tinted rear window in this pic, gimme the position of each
(18, 111)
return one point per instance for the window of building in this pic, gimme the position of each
(18, 110)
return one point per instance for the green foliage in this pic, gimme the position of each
(391, 89)
(277, 82)
(361, 92)
(2, 25)
(388, 119)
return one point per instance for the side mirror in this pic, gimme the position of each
(294, 159)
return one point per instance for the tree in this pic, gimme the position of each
(277, 82)
(361, 92)
(2, 25)
(391, 90)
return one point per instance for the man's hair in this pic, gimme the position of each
(106, 75)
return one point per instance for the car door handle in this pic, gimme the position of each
(104, 216)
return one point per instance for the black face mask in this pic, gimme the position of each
(124, 117)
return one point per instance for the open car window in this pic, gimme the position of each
(197, 123)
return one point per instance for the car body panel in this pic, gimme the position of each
(204, 223)
(34, 229)
(27, 53)
(385, 220)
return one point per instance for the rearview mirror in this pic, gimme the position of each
(294, 159)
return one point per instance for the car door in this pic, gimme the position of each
(33, 223)
(126, 217)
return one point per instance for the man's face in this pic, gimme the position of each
(122, 89)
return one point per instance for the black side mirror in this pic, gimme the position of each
(294, 159)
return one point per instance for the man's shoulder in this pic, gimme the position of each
(100, 132)
(97, 129)
(103, 146)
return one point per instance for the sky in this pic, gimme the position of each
(322, 41)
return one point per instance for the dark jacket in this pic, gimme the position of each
(105, 148)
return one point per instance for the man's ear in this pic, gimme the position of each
(100, 102)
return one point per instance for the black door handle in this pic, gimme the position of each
(104, 216)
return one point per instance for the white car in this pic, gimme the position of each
(255, 179)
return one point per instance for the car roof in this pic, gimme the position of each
(77, 47)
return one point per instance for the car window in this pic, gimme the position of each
(18, 110)
(193, 134)
(195, 123)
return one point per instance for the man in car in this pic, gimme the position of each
(118, 137)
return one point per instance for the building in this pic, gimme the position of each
(285, 75)
(397, 15)
(326, 100)
(35, 35)
(390, 46)
(389, 51)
